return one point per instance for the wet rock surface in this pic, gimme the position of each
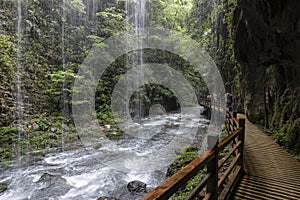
(51, 185)
(137, 187)
(107, 198)
(133, 190)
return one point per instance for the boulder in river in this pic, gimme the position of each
(50, 185)
(107, 198)
(50, 178)
(137, 187)
(133, 190)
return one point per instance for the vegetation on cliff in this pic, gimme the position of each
(252, 44)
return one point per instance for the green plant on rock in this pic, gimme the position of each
(280, 135)
(105, 115)
(224, 132)
(8, 138)
(183, 193)
(5, 154)
(187, 155)
(3, 187)
(181, 161)
(7, 58)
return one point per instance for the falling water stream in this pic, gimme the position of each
(19, 99)
(65, 111)
(136, 16)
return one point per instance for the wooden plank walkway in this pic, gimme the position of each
(270, 172)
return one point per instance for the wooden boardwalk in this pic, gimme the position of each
(270, 172)
(261, 169)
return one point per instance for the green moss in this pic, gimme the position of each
(183, 193)
(35, 139)
(3, 187)
(280, 135)
(71, 137)
(8, 138)
(187, 155)
(114, 134)
(181, 161)
(224, 133)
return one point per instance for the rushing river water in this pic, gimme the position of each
(83, 174)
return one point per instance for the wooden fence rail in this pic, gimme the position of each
(231, 121)
(222, 170)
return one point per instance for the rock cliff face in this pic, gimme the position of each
(267, 46)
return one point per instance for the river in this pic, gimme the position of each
(84, 174)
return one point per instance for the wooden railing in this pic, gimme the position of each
(218, 106)
(231, 122)
(211, 103)
(222, 172)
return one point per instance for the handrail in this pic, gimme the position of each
(213, 181)
(199, 187)
(231, 121)
(217, 105)
(223, 161)
(229, 138)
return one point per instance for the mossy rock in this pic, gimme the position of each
(171, 125)
(187, 155)
(115, 134)
(107, 198)
(97, 146)
(38, 153)
(8, 130)
(3, 187)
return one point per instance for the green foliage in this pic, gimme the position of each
(44, 140)
(61, 86)
(55, 40)
(8, 134)
(8, 138)
(187, 155)
(182, 194)
(224, 133)
(112, 21)
(281, 134)
(76, 5)
(42, 122)
(211, 24)
(170, 14)
(104, 115)
(7, 58)
(44, 132)
(50, 132)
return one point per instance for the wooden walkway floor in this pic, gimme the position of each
(270, 172)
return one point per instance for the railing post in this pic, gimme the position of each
(242, 138)
(212, 168)
(234, 114)
(234, 127)
(234, 117)
(227, 122)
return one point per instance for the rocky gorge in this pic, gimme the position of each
(267, 43)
